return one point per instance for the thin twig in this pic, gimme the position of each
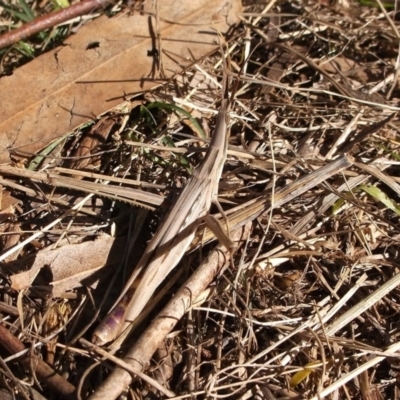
(42, 370)
(126, 366)
(50, 20)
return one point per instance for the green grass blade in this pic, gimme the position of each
(173, 107)
(26, 49)
(33, 165)
(382, 197)
(15, 12)
(27, 10)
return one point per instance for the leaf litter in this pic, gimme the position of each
(307, 305)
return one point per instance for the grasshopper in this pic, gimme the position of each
(174, 235)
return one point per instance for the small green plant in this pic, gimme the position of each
(148, 116)
(58, 4)
(372, 3)
(179, 110)
(374, 192)
(22, 13)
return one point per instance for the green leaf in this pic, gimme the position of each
(39, 158)
(337, 205)
(60, 4)
(173, 107)
(15, 12)
(26, 49)
(182, 159)
(371, 3)
(377, 194)
(27, 10)
(148, 116)
(396, 155)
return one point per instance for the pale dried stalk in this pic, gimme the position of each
(238, 216)
(127, 367)
(125, 194)
(363, 305)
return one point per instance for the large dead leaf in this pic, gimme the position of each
(70, 266)
(105, 61)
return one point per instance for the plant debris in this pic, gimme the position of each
(304, 306)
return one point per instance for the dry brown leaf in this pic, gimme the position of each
(74, 83)
(12, 235)
(7, 204)
(71, 265)
(92, 143)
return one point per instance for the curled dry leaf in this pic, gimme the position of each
(92, 143)
(74, 83)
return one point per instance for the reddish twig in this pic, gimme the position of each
(50, 20)
(43, 371)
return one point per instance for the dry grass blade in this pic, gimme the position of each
(126, 194)
(348, 377)
(239, 216)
